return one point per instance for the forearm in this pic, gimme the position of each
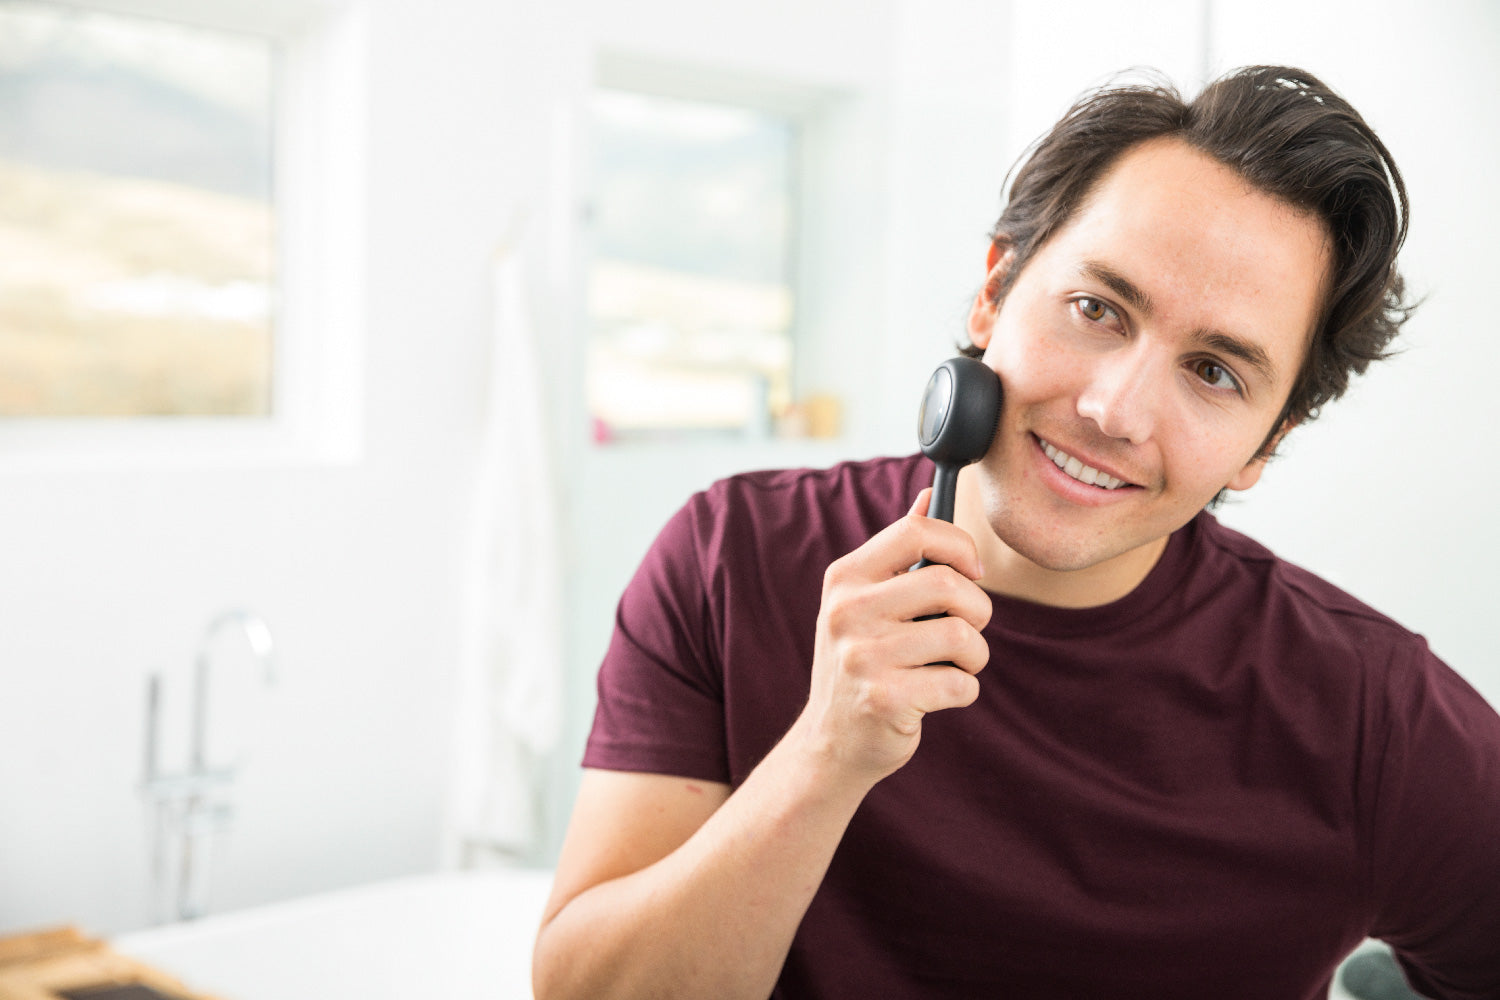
(716, 917)
(705, 902)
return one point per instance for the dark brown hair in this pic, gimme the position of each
(1289, 135)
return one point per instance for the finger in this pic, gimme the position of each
(938, 590)
(945, 544)
(854, 605)
(950, 641)
(936, 687)
(920, 507)
(915, 644)
(897, 547)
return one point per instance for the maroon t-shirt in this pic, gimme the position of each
(1214, 787)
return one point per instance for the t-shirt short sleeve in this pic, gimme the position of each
(1436, 851)
(661, 698)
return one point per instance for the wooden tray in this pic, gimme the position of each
(62, 963)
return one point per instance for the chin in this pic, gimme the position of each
(1043, 548)
(1058, 558)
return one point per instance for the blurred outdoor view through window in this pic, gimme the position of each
(136, 225)
(690, 284)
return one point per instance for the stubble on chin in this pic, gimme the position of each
(1037, 540)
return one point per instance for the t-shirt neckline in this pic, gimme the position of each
(1017, 614)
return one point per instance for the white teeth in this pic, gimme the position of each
(1083, 473)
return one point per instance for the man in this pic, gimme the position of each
(1190, 770)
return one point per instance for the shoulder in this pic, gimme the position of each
(1339, 646)
(1299, 600)
(1315, 642)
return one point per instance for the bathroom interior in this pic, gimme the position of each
(294, 693)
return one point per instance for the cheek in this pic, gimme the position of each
(1207, 460)
(1031, 366)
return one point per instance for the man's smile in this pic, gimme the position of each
(1077, 470)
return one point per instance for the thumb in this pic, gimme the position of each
(919, 508)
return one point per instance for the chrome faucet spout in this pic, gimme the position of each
(190, 809)
(258, 634)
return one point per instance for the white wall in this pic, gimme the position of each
(110, 573)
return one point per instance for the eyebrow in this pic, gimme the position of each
(1250, 353)
(1119, 284)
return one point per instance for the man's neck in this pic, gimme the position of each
(1008, 572)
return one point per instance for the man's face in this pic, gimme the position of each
(1154, 339)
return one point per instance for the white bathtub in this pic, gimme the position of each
(458, 936)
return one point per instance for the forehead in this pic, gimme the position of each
(1210, 250)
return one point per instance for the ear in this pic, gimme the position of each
(1251, 473)
(986, 307)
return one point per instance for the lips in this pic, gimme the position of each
(1075, 469)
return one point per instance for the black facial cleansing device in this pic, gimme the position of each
(960, 413)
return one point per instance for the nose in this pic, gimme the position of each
(1122, 394)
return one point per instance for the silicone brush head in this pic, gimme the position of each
(960, 412)
(959, 416)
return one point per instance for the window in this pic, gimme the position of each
(137, 276)
(691, 290)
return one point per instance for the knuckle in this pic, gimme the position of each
(878, 701)
(964, 688)
(978, 653)
(967, 600)
(859, 657)
(909, 532)
(837, 573)
(837, 616)
(955, 587)
(846, 612)
(949, 590)
(957, 633)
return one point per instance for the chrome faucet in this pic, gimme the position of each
(258, 633)
(193, 804)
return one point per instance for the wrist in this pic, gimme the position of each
(818, 760)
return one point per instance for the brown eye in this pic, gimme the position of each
(1215, 375)
(1093, 309)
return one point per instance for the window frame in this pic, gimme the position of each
(819, 115)
(318, 168)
